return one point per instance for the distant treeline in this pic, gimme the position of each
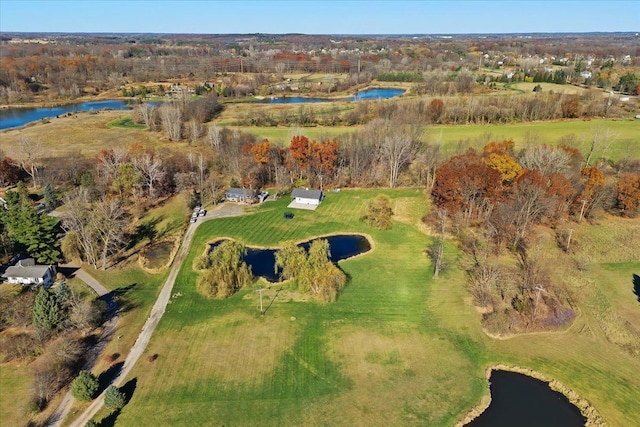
(400, 77)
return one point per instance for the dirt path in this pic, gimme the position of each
(107, 332)
(224, 210)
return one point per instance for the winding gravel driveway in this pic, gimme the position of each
(220, 211)
(94, 353)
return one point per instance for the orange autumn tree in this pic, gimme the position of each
(628, 192)
(261, 152)
(466, 184)
(593, 182)
(299, 154)
(325, 156)
(311, 158)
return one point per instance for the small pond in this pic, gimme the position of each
(15, 117)
(520, 400)
(343, 246)
(376, 93)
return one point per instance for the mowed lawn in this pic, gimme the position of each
(397, 348)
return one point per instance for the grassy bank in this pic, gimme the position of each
(397, 347)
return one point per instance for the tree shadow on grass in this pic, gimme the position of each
(636, 286)
(107, 377)
(144, 231)
(109, 420)
(128, 389)
(119, 295)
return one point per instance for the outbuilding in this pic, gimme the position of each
(306, 196)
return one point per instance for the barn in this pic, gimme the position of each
(306, 197)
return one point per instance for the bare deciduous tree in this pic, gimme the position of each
(96, 228)
(31, 157)
(150, 169)
(146, 112)
(171, 118)
(214, 137)
(109, 222)
(194, 130)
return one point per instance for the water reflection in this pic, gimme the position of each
(263, 261)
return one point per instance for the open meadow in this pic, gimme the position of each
(397, 348)
(86, 134)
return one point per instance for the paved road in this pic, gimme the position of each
(107, 332)
(223, 210)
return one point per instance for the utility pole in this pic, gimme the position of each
(535, 309)
(569, 240)
(584, 202)
(261, 310)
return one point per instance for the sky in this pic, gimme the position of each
(318, 17)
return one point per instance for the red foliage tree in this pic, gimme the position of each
(9, 172)
(435, 110)
(465, 183)
(628, 190)
(504, 147)
(325, 156)
(561, 189)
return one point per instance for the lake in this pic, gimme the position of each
(376, 93)
(15, 117)
(520, 400)
(343, 246)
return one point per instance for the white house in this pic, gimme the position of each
(26, 272)
(307, 197)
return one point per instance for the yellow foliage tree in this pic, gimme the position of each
(508, 167)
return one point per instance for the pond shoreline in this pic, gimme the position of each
(586, 409)
(209, 245)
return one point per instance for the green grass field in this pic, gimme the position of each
(456, 138)
(397, 348)
(126, 122)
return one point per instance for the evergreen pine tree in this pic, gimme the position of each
(114, 398)
(50, 197)
(47, 314)
(85, 386)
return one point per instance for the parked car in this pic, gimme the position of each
(193, 219)
(197, 208)
(194, 214)
(202, 212)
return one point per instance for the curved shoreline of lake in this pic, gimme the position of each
(12, 118)
(591, 415)
(361, 95)
(16, 117)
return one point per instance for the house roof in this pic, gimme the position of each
(307, 194)
(34, 271)
(241, 191)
